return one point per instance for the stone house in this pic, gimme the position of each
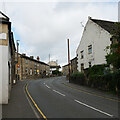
(96, 37)
(7, 49)
(73, 65)
(65, 70)
(30, 68)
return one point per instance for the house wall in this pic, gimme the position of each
(65, 70)
(9, 71)
(4, 78)
(99, 39)
(1, 75)
(74, 65)
(4, 65)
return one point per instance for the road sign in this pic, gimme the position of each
(18, 66)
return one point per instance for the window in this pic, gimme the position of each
(82, 56)
(26, 61)
(35, 65)
(35, 71)
(89, 64)
(82, 67)
(31, 71)
(89, 49)
(26, 70)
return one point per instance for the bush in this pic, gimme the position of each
(78, 78)
(109, 81)
(98, 77)
(96, 70)
(56, 72)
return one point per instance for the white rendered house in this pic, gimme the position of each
(5, 58)
(96, 37)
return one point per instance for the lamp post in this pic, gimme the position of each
(68, 59)
(17, 56)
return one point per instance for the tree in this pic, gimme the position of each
(113, 57)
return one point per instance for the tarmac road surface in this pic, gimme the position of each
(56, 98)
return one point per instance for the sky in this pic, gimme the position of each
(43, 27)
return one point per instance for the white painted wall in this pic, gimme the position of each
(4, 72)
(0, 76)
(96, 36)
(9, 72)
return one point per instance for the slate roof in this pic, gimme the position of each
(24, 56)
(3, 18)
(107, 25)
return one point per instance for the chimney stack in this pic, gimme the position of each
(38, 58)
(89, 17)
(31, 57)
(23, 54)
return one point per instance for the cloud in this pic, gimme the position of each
(60, 0)
(44, 27)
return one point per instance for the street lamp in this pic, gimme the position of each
(17, 57)
(68, 59)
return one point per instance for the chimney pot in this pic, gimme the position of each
(38, 58)
(89, 17)
(23, 54)
(31, 57)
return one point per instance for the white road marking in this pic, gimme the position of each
(44, 83)
(58, 92)
(47, 86)
(94, 108)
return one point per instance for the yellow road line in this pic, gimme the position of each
(90, 93)
(35, 103)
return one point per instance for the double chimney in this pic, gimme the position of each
(31, 57)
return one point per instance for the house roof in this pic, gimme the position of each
(3, 16)
(107, 25)
(73, 58)
(24, 56)
(65, 65)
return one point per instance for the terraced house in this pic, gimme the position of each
(30, 68)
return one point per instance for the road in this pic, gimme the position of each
(56, 98)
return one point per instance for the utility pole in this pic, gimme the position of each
(68, 58)
(49, 58)
(17, 57)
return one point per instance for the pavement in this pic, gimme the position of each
(18, 106)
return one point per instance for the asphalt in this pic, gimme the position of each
(18, 106)
(57, 98)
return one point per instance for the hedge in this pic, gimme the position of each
(98, 77)
(109, 81)
(78, 78)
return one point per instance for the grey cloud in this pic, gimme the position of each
(45, 27)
